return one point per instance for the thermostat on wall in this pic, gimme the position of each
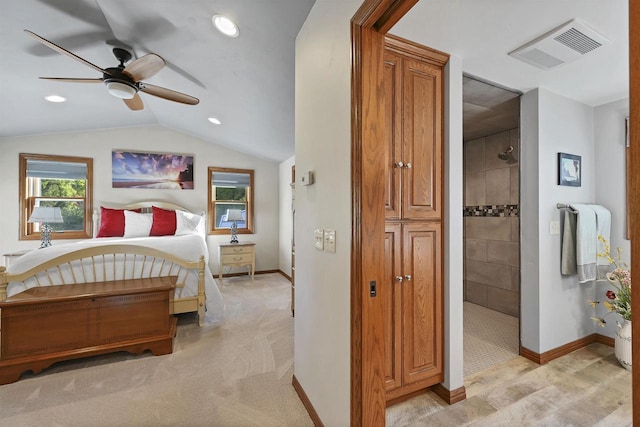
(307, 178)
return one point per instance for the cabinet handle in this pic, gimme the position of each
(237, 259)
(399, 279)
(398, 164)
(407, 277)
(407, 165)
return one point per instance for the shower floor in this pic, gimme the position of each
(490, 338)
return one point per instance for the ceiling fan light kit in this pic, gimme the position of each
(122, 81)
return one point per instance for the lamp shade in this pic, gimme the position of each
(46, 214)
(234, 215)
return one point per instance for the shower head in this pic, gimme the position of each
(507, 156)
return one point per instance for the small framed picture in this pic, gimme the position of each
(569, 170)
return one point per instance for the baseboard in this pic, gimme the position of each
(285, 275)
(306, 402)
(603, 339)
(563, 350)
(247, 274)
(450, 396)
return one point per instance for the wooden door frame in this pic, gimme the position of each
(368, 26)
(368, 159)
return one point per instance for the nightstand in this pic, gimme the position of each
(12, 256)
(237, 255)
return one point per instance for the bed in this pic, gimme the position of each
(135, 255)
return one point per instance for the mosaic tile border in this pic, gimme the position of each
(492, 210)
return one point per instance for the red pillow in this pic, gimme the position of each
(164, 222)
(112, 222)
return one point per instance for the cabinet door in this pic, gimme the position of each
(390, 292)
(422, 302)
(422, 140)
(393, 118)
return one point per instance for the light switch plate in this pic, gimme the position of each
(554, 227)
(319, 239)
(330, 240)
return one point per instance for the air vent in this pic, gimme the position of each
(564, 44)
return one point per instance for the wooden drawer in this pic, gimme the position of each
(237, 258)
(234, 250)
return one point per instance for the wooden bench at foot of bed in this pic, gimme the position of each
(44, 325)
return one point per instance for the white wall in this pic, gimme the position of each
(453, 236)
(529, 224)
(564, 125)
(323, 145)
(286, 218)
(99, 144)
(609, 131)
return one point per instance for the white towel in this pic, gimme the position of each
(603, 228)
(586, 241)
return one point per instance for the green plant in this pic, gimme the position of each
(618, 301)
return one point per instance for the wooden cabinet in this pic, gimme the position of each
(415, 115)
(413, 298)
(413, 284)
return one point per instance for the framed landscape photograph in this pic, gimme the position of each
(151, 170)
(569, 170)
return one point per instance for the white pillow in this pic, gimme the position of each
(187, 223)
(137, 224)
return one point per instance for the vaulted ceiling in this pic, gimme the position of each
(246, 82)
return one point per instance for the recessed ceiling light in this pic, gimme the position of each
(55, 98)
(225, 25)
(215, 121)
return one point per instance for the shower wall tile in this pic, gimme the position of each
(474, 155)
(507, 302)
(514, 141)
(506, 253)
(496, 144)
(476, 293)
(475, 249)
(489, 274)
(474, 189)
(489, 228)
(491, 245)
(498, 186)
(514, 180)
(515, 229)
(515, 279)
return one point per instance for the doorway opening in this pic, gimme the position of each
(491, 135)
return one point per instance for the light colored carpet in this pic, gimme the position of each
(234, 374)
(490, 338)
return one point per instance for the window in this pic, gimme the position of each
(56, 181)
(230, 189)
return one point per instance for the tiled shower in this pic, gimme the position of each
(491, 221)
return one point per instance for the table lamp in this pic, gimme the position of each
(45, 215)
(234, 215)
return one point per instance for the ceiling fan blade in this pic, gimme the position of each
(169, 94)
(144, 67)
(65, 52)
(134, 103)
(73, 80)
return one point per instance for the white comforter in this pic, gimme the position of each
(189, 247)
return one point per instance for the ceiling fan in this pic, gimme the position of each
(124, 81)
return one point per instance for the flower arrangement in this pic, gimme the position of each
(618, 301)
